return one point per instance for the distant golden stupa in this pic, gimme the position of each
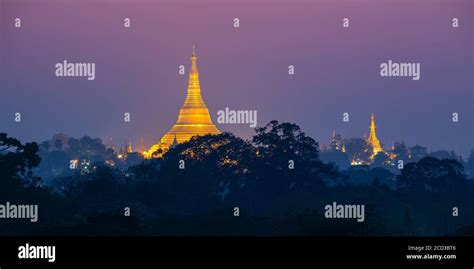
(372, 139)
(193, 119)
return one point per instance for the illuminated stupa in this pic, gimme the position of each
(372, 139)
(193, 119)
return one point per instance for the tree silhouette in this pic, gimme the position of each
(432, 174)
(287, 170)
(276, 179)
(16, 164)
(208, 169)
(380, 160)
(358, 149)
(470, 165)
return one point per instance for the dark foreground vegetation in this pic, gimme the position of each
(198, 188)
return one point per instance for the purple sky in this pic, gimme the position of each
(337, 69)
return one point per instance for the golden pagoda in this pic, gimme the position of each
(372, 139)
(193, 119)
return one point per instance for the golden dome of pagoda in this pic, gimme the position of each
(193, 118)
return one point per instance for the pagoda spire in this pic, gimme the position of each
(372, 124)
(194, 99)
(372, 139)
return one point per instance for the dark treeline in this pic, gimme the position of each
(276, 180)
